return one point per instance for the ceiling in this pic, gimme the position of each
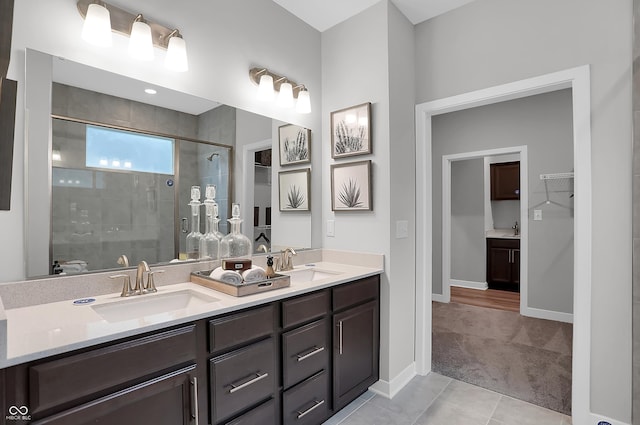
(323, 14)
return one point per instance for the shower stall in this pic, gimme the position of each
(117, 191)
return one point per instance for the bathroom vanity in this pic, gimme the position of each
(295, 355)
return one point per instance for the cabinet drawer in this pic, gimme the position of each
(261, 415)
(60, 381)
(241, 379)
(167, 400)
(305, 308)
(355, 293)
(503, 243)
(239, 328)
(304, 352)
(306, 403)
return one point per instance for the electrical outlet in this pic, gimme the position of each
(402, 229)
(331, 228)
(537, 215)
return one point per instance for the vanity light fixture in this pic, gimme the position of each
(101, 19)
(288, 91)
(140, 44)
(97, 26)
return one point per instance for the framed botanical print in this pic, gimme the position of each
(351, 186)
(294, 190)
(351, 131)
(295, 147)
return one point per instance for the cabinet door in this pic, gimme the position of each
(167, 400)
(505, 181)
(498, 265)
(355, 352)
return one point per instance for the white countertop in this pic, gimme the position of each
(501, 234)
(44, 330)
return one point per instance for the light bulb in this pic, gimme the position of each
(265, 88)
(140, 43)
(285, 97)
(176, 59)
(303, 105)
(97, 26)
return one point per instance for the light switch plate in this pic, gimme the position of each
(331, 228)
(537, 215)
(402, 229)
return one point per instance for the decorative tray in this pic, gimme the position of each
(242, 289)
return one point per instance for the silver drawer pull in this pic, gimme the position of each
(315, 351)
(194, 400)
(258, 377)
(311, 409)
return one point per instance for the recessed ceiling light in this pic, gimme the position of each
(150, 91)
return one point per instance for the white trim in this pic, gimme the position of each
(441, 299)
(521, 152)
(482, 286)
(578, 79)
(390, 389)
(248, 175)
(539, 313)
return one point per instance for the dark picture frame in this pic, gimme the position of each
(295, 144)
(294, 190)
(351, 131)
(351, 186)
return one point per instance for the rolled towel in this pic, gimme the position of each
(254, 274)
(227, 276)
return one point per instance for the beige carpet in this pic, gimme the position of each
(525, 358)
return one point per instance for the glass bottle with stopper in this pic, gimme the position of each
(194, 236)
(235, 244)
(210, 241)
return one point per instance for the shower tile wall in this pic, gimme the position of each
(636, 214)
(148, 201)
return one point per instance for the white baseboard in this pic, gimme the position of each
(469, 284)
(390, 389)
(539, 313)
(439, 298)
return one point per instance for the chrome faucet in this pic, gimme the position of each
(262, 248)
(141, 287)
(286, 259)
(516, 229)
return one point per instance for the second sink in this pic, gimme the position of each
(309, 275)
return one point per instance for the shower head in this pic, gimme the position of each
(210, 157)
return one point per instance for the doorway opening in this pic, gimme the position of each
(578, 79)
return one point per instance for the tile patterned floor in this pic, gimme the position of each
(437, 400)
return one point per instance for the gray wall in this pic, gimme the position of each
(636, 214)
(492, 42)
(467, 221)
(544, 124)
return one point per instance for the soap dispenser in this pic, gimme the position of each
(235, 244)
(194, 236)
(210, 242)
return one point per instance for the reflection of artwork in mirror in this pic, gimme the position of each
(294, 144)
(351, 186)
(351, 131)
(294, 190)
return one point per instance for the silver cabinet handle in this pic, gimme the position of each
(316, 404)
(258, 377)
(510, 256)
(194, 400)
(340, 326)
(313, 352)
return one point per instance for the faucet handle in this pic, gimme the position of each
(126, 287)
(151, 285)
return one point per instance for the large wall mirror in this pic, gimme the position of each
(110, 167)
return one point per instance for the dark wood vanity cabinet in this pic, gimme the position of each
(505, 181)
(295, 361)
(503, 264)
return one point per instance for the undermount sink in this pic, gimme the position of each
(309, 275)
(151, 304)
